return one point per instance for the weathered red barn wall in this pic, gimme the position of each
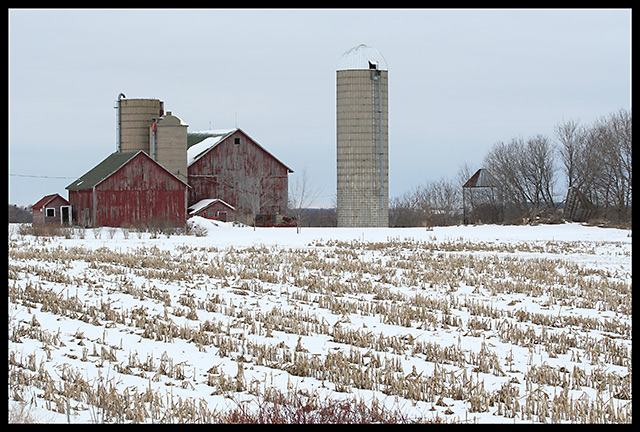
(244, 175)
(81, 200)
(140, 192)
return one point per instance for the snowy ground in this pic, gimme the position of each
(486, 324)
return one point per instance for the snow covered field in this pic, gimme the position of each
(484, 324)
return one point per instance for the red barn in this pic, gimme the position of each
(230, 166)
(51, 209)
(128, 189)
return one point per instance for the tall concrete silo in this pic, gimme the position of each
(133, 118)
(168, 144)
(362, 138)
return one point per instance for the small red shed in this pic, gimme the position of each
(231, 166)
(51, 209)
(128, 189)
(213, 209)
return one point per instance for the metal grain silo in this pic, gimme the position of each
(362, 138)
(134, 116)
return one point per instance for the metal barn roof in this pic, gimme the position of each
(199, 143)
(107, 167)
(101, 171)
(482, 178)
(362, 57)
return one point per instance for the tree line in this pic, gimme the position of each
(593, 161)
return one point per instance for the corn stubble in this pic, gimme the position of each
(381, 312)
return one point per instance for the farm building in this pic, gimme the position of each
(482, 199)
(230, 166)
(213, 209)
(51, 209)
(128, 189)
(160, 173)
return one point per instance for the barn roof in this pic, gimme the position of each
(106, 168)
(101, 171)
(199, 143)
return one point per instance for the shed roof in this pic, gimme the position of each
(203, 204)
(482, 178)
(46, 200)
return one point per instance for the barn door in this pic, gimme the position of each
(65, 215)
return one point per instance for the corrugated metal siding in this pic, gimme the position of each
(244, 175)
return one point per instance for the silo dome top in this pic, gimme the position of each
(362, 57)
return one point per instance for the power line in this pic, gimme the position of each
(43, 177)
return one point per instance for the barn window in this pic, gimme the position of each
(236, 140)
(51, 212)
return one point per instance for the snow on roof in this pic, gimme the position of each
(362, 57)
(200, 142)
(203, 204)
(213, 137)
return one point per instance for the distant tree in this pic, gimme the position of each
(19, 214)
(407, 210)
(597, 162)
(435, 203)
(526, 171)
(571, 143)
(302, 195)
(320, 217)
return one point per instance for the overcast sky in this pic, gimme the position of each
(459, 81)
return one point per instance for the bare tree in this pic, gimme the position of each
(444, 200)
(301, 196)
(407, 210)
(525, 169)
(539, 170)
(435, 203)
(570, 136)
(597, 162)
(610, 142)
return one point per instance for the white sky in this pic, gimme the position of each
(459, 81)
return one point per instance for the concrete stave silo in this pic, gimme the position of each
(362, 138)
(143, 125)
(168, 144)
(134, 117)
